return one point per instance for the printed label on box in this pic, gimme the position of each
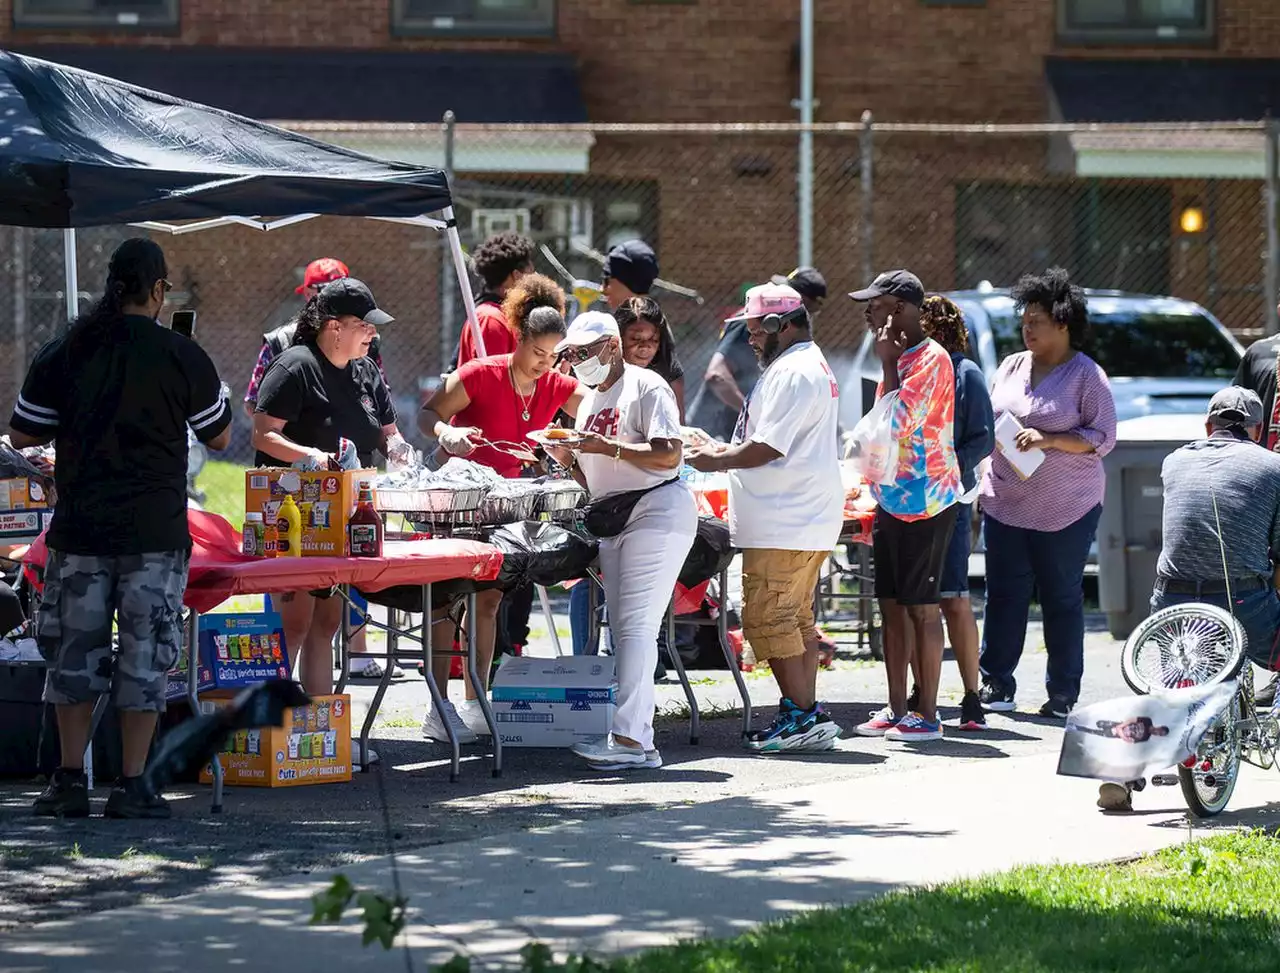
(243, 650)
(312, 747)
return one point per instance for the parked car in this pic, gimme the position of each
(1164, 355)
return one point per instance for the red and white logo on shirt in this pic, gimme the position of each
(605, 423)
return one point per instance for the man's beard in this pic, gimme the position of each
(769, 352)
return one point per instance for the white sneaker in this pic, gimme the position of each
(473, 717)
(355, 756)
(609, 754)
(433, 728)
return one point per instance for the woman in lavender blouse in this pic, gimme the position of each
(1039, 530)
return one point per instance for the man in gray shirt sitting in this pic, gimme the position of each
(1230, 467)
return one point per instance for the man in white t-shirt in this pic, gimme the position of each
(786, 508)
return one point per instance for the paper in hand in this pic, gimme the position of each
(1024, 462)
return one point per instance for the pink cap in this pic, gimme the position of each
(766, 299)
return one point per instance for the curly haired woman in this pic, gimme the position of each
(1039, 530)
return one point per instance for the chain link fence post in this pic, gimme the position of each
(1271, 192)
(867, 145)
(448, 281)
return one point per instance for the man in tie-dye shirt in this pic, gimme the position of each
(915, 515)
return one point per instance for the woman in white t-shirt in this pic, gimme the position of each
(631, 443)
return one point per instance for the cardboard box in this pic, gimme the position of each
(325, 500)
(239, 650)
(313, 747)
(176, 686)
(554, 702)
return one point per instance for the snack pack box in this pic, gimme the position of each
(325, 500)
(239, 650)
(313, 747)
(24, 508)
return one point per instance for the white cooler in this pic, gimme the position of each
(553, 702)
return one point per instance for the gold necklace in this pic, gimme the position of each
(525, 403)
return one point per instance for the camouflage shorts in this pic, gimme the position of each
(82, 595)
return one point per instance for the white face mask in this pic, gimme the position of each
(591, 372)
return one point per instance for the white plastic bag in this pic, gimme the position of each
(872, 445)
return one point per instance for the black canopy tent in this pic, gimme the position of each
(79, 149)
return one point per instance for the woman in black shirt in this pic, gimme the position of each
(323, 389)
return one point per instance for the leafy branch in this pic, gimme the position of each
(384, 916)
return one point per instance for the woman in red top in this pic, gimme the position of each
(500, 400)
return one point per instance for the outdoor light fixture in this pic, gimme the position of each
(1192, 220)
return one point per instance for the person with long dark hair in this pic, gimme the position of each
(322, 389)
(1038, 529)
(499, 400)
(115, 394)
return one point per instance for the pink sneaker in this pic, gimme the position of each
(914, 728)
(879, 724)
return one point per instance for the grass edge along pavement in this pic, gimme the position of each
(1206, 904)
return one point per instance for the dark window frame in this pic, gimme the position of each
(25, 18)
(1136, 34)
(404, 25)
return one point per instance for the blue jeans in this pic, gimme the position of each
(1021, 563)
(1258, 611)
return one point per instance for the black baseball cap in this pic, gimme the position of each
(634, 264)
(897, 283)
(806, 281)
(350, 296)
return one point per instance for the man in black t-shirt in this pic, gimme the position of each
(115, 395)
(732, 372)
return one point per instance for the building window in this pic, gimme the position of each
(475, 18)
(95, 13)
(1135, 21)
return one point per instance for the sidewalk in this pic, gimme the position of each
(648, 879)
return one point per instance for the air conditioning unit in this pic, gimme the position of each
(486, 222)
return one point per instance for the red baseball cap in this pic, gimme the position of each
(322, 271)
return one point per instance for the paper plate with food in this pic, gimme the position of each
(556, 436)
(696, 438)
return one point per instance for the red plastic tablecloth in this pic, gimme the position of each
(219, 569)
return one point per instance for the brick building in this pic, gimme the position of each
(958, 206)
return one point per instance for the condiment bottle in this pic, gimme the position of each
(364, 526)
(289, 528)
(251, 539)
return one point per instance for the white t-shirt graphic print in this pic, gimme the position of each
(639, 407)
(795, 503)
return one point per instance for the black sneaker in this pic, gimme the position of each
(1056, 707)
(971, 715)
(996, 698)
(1265, 697)
(67, 796)
(130, 801)
(913, 701)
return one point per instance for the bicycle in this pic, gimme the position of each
(1196, 644)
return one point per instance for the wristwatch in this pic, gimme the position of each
(617, 450)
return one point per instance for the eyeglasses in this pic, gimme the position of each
(583, 352)
(168, 286)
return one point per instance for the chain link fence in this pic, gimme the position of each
(962, 206)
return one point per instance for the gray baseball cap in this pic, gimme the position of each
(1236, 406)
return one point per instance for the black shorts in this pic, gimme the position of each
(908, 556)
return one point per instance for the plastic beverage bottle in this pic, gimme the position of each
(364, 527)
(289, 528)
(251, 539)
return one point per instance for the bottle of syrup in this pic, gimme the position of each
(364, 527)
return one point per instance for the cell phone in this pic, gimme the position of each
(184, 322)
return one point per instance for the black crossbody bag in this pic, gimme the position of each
(608, 516)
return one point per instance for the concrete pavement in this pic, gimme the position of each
(651, 878)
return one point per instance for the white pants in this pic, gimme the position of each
(640, 567)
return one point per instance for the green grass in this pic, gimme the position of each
(223, 484)
(1208, 905)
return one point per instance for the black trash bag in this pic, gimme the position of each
(408, 597)
(710, 554)
(534, 552)
(193, 744)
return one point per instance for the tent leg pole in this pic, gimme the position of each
(464, 279)
(72, 276)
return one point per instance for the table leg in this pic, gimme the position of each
(437, 700)
(481, 695)
(393, 638)
(551, 621)
(722, 631)
(344, 640)
(694, 719)
(193, 697)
